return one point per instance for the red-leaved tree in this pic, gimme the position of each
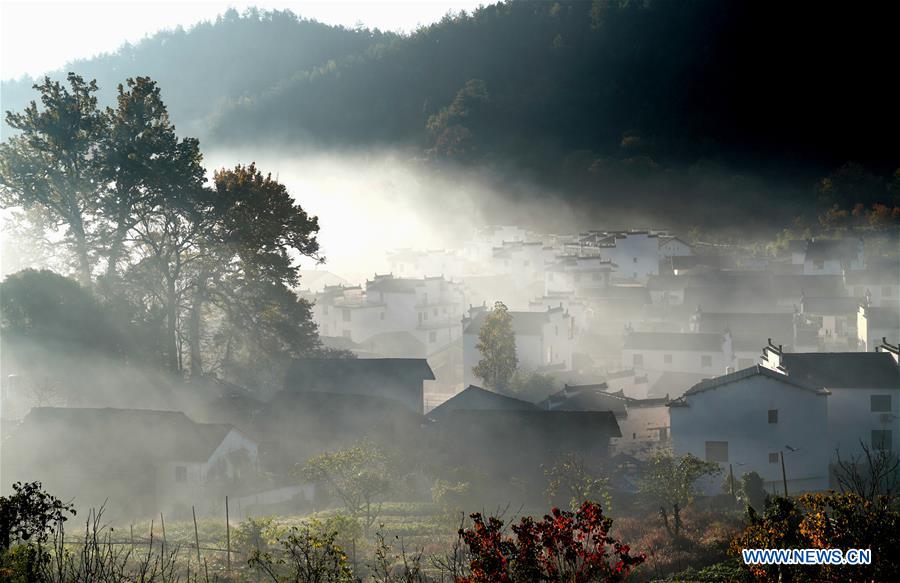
(564, 547)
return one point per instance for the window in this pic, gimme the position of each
(346, 315)
(667, 358)
(637, 360)
(773, 458)
(887, 291)
(432, 336)
(717, 451)
(181, 474)
(634, 260)
(880, 403)
(420, 317)
(705, 361)
(773, 416)
(882, 439)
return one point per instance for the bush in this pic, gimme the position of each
(563, 547)
(820, 521)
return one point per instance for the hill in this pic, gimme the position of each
(701, 103)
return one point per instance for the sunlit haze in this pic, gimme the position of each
(38, 36)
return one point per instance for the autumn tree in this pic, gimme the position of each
(497, 344)
(51, 164)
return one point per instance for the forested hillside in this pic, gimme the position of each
(701, 100)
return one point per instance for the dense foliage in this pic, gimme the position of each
(824, 521)
(198, 278)
(497, 345)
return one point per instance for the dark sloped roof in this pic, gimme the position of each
(673, 383)
(793, 284)
(890, 276)
(708, 384)
(883, 317)
(690, 261)
(839, 305)
(821, 249)
(754, 326)
(585, 398)
(729, 298)
(843, 370)
(162, 435)
(676, 341)
(477, 399)
(346, 372)
(394, 285)
(523, 323)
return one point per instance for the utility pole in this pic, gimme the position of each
(731, 478)
(783, 474)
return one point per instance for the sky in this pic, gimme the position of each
(38, 36)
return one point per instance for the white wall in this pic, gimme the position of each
(641, 434)
(851, 419)
(737, 413)
(681, 361)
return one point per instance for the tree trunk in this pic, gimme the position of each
(171, 326)
(196, 322)
(81, 251)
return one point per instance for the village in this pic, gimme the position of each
(632, 343)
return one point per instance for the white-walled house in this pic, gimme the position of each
(833, 256)
(576, 308)
(413, 263)
(877, 287)
(864, 405)
(523, 261)
(140, 460)
(480, 248)
(684, 352)
(644, 423)
(749, 419)
(671, 246)
(428, 311)
(635, 253)
(874, 325)
(543, 341)
(576, 274)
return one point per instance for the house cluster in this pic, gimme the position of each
(770, 364)
(676, 340)
(600, 303)
(142, 461)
